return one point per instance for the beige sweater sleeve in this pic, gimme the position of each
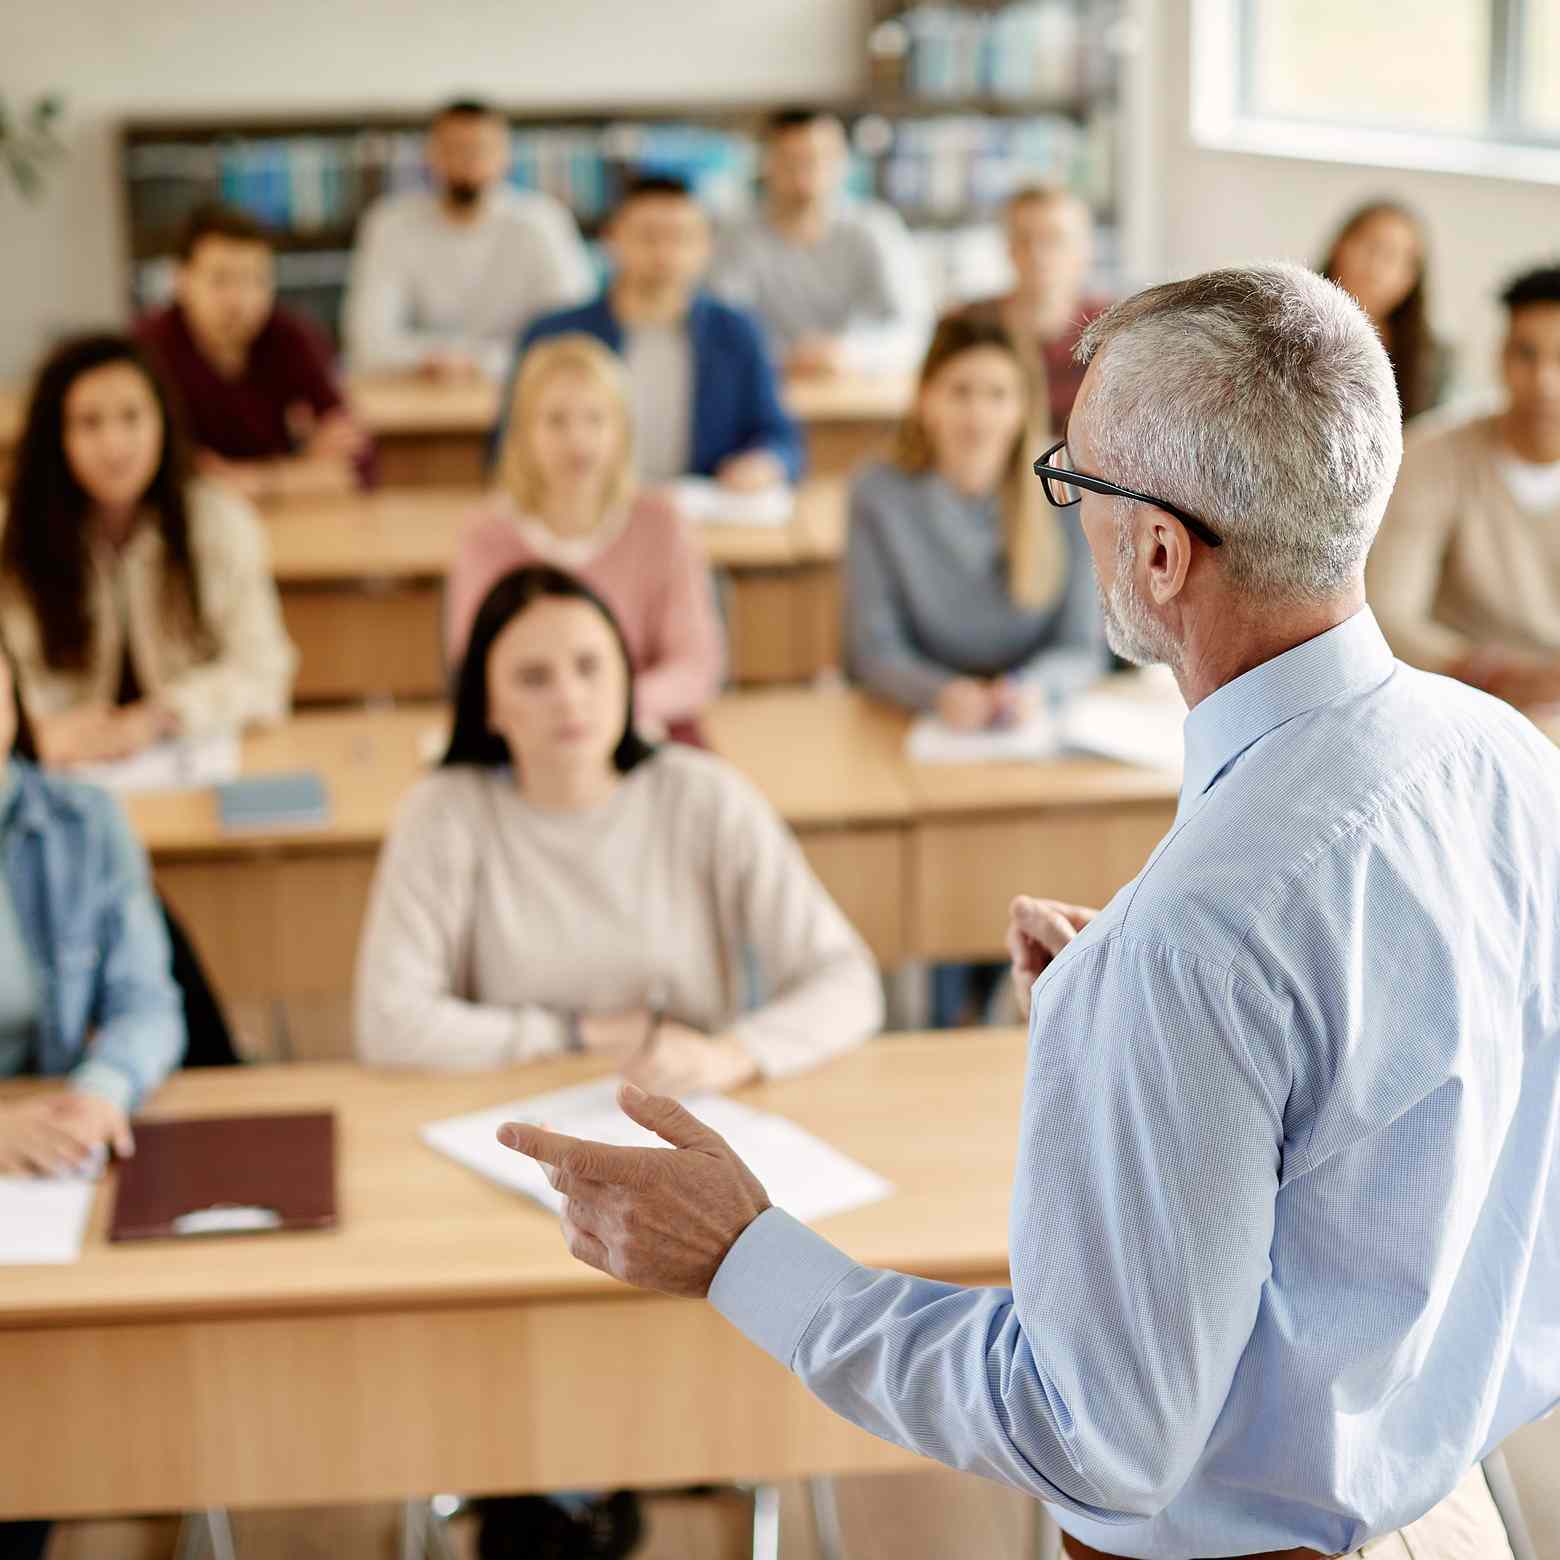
(249, 679)
(413, 953)
(1403, 574)
(820, 991)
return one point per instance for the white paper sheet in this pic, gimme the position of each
(43, 1219)
(1140, 724)
(169, 766)
(932, 741)
(706, 502)
(802, 1174)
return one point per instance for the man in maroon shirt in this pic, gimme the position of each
(254, 380)
(1050, 239)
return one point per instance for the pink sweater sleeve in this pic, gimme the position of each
(488, 550)
(686, 653)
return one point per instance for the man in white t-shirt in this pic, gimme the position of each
(837, 283)
(443, 279)
(1465, 573)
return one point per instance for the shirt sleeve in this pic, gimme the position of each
(248, 678)
(1141, 1223)
(879, 651)
(138, 1012)
(413, 955)
(819, 994)
(377, 313)
(769, 425)
(687, 648)
(892, 319)
(1406, 562)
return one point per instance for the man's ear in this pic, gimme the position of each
(1170, 558)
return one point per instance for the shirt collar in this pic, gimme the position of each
(1226, 723)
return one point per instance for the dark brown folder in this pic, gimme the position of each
(226, 1175)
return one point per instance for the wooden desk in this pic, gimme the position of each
(362, 576)
(437, 434)
(13, 405)
(442, 1338)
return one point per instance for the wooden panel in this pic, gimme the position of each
(364, 642)
(274, 927)
(838, 449)
(783, 626)
(965, 870)
(432, 459)
(865, 870)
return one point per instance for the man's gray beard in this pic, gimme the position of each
(1131, 630)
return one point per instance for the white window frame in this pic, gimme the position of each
(1220, 121)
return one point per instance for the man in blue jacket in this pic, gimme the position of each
(703, 386)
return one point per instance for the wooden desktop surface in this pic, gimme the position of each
(441, 1337)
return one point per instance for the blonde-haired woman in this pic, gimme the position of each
(964, 593)
(565, 495)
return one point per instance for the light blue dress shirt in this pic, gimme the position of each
(1285, 1237)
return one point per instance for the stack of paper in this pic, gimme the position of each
(708, 503)
(187, 765)
(1136, 719)
(933, 741)
(42, 1218)
(803, 1175)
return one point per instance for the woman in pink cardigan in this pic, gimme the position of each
(565, 496)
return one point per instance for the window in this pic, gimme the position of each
(1472, 85)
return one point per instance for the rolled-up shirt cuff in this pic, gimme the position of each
(775, 1279)
(107, 1082)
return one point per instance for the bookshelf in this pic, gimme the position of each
(963, 102)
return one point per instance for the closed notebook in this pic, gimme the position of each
(295, 800)
(223, 1175)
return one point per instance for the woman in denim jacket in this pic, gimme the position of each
(87, 996)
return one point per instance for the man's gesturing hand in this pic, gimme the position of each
(653, 1219)
(1038, 930)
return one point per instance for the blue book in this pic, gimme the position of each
(296, 800)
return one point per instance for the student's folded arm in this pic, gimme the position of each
(879, 652)
(414, 950)
(769, 425)
(1403, 571)
(248, 680)
(1096, 1381)
(820, 994)
(688, 648)
(377, 312)
(137, 1009)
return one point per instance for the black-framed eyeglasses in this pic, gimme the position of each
(1064, 487)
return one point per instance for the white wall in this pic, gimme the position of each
(1219, 208)
(61, 261)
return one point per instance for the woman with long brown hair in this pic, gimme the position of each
(138, 603)
(1381, 256)
(965, 594)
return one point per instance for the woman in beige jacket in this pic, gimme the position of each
(137, 604)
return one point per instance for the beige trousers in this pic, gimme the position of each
(1465, 1526)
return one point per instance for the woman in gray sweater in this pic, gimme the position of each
(966, 594)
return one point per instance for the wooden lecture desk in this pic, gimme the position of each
(361, 577)
(433, 433)
(12, 405)
(441, 1338)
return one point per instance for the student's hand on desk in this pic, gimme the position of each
(92, 734)
(658, 1220)
(333, 437)
(36, 1140)
(966, 704)
(1038, 930)
(616, 1035)
(816, 355)
(448, 365)
(93, 1122)
(679, 1060)
(751, 473)
(1014, 702)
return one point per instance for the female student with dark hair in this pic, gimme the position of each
(1380, 255)
(964, 594)
(561, 885)
(138, 604)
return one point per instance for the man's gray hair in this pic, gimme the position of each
(1261, 400)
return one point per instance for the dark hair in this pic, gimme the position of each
(466, 108)
(24, 744)
(651, 186)
(1406, 330)
(214, 220)
(45, 546)
(795, 116)
(473, 741)
(1540, 285)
